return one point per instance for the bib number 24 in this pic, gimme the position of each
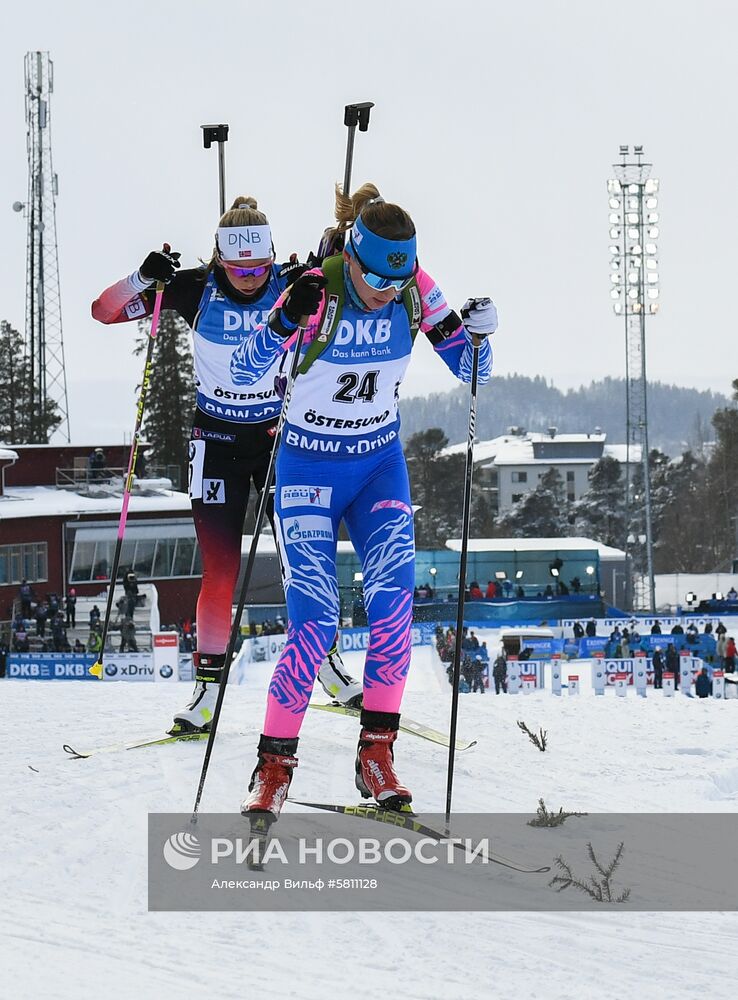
(355, 387)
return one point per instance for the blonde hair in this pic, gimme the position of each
(383, 218)
(243, 212)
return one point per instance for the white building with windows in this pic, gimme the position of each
(512, 465)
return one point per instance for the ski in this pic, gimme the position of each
(406, 726)
(259, 826)
(133, 745)
(408, 821)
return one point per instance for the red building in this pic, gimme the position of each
(59, 518)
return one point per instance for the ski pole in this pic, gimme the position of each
(260, 515)
(354, 115)
(466, 517)
(219, 134)
(97, 667)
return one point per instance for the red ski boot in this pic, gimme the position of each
(375, 772)
(271, 779)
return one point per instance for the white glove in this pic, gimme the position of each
(479, 316)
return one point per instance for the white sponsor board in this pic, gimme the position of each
(166, 656)
(128, 667)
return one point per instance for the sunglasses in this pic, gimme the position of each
(380, 282)
(245, 272)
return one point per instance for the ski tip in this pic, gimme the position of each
(74, 754)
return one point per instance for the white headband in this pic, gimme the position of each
(244, 242)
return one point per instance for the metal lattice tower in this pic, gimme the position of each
(43, 340)
(634, 288)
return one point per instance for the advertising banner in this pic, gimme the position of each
(128, 667)
(528, 682)
(513, 675)
(166, 656)
(640, 674)
(50, 666)
(599, 678)
(556, 677)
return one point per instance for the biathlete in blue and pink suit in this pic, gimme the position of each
(233, 428)
(341, 459)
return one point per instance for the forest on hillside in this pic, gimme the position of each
(679, 418)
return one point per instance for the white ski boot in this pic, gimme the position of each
(197, 716)
(337, 683)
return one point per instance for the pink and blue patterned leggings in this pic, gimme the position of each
(371, 494)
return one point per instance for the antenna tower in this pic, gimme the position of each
(43, 340)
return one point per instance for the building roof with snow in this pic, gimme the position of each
(537, 545)
(538, 448)
(47, 501)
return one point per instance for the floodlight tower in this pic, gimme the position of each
(634, 230)
(44, 344)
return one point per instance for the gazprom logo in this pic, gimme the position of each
(308, 529)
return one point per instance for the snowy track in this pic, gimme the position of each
(74, 852)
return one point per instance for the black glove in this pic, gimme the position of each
(304, 296)
(292, 270)
(160, 265)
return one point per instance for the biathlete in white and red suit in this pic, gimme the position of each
(233, 427)
(341, 459)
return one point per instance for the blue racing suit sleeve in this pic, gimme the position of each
(255, 355)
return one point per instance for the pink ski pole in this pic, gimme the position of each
(97, 667)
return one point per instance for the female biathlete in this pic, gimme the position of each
(341, 458)
(233, 429)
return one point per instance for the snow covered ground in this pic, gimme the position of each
(74, 849)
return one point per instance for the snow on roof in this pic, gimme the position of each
(517, 449)
(6, 455)
(47, 501)
(620, 452)
(537, 545)
(483, 450)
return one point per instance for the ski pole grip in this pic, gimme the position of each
(358, 114)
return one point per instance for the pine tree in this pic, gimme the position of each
(436, 487)
(721, 505)
(170, 396)
(21, 422)
(681, 523)
(540, 514)
(600, 513)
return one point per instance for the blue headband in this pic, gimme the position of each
(388, 258)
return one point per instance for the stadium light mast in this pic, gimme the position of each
(634, 290)
(44, 344)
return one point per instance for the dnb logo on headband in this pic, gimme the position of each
(396, 260)
(239, 242)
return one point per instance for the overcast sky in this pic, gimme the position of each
(495, 125)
